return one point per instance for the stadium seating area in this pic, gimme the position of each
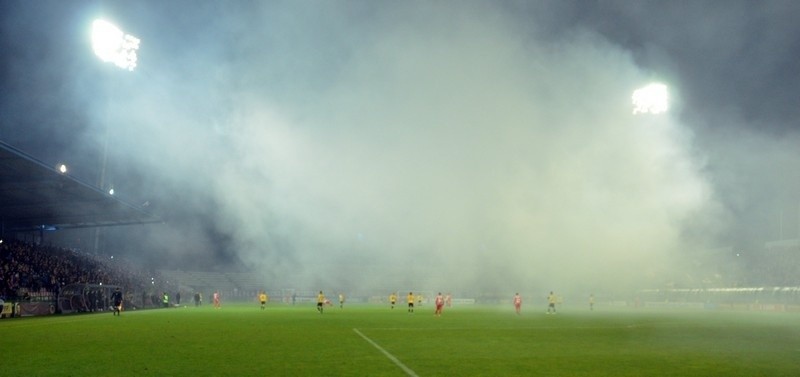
(31, 272)
(34, 273)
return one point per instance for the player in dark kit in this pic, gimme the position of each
(116, 297)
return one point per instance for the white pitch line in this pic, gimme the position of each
(389, 355)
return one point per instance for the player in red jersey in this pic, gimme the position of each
(439, 301)
(517, 303)
(217, 304)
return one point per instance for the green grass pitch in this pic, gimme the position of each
(372, 340)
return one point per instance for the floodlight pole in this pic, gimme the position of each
(111, 45)
(100, 184)
(101, 181)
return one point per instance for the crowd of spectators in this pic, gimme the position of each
(30, 271)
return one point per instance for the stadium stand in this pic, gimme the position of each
(32, 274)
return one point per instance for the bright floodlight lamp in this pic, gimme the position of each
(62, 168)
(652, 99)
(111, 45)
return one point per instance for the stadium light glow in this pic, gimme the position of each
(652, 99)
(111, 45)
(62, 168)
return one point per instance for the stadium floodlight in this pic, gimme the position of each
(652, 99)
(62, 168)
(111, 45)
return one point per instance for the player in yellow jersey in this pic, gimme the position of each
(263, 298)
(320, 301)
(410, 299)
(551, 302)
(393, 299)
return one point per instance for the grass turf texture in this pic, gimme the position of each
(243, 340)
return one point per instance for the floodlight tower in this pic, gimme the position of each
(111, 45)
(651, 99)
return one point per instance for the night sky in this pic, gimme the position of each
(477, 140)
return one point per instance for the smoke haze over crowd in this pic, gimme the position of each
(452, 145)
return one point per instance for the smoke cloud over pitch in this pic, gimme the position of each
(477, 146)
(421, 148)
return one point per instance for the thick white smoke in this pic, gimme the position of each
(443, 149)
